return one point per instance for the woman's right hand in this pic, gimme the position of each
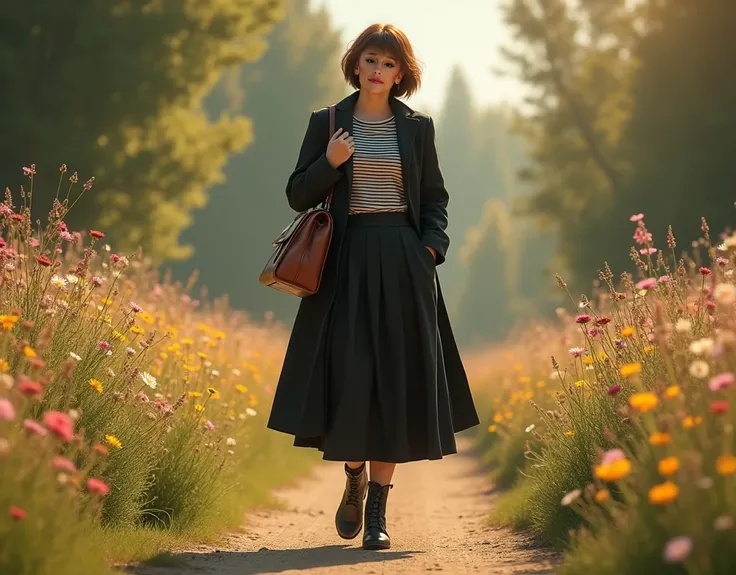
(340, 148)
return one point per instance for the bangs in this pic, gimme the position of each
(385, 42)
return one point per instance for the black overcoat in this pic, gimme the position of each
(299, 406)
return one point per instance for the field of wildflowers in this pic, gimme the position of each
(127, 407)
(613, 427)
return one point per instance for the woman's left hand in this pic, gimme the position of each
(433, 252)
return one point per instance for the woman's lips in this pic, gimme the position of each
(375, 81)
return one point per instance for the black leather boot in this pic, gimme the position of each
(349, 516)
(375, 535)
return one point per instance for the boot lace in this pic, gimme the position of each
(354, 490)
(373, 516)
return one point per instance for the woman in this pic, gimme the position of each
(372, 372)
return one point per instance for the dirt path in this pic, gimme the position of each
(437, 519)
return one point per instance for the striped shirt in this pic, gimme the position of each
(377, 179)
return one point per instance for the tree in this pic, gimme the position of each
(232, 235)
(114, 90)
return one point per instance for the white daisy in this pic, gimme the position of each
(148, 379)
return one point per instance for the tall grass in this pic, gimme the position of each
(623, 414)
(127, 407)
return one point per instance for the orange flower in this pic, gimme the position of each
(628, 331)
(690, 421)
(726, 465)
(613, 471)
(629, 369)
(668, 465)
(659, 438)
(643, 402)
(602, 496)
(672, 391)
(663, 493)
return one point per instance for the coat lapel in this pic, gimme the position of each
(344, 119)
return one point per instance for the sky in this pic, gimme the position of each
(444, 33)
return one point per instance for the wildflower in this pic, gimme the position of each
(211, 390)
(209, 425)
(582, 318)
(104, 346)
(29, 352)
(587, 360)
(603, 320)
(668, 465)
(529, 428)
(677, 549)
(250, 411)
(659, 438)
(614, 389)
(4, 366)
(705, 271)
(492, 428)
(663, 493)
(63, 464)
(569, 433)
(137, 330)
(689, 422)
(60, 424)
(725, 293)
(636, 218)
(683, 326)
(664, 279)
(8, 321)
(649, 349)
(230, 441)
(43, 260)
(614, 466)
(194, 394)
(114, 441)
(721, 381)
(569, 498)
(96, 234)
(97, 486)
(7, 411)
(199, 407)
(30, 388)
(643, 402)
(648, 251)
(602, 496)
(17, 513)
(630, 369)
(646, 284)
(726, 465)
(96, 384)
(100, 449)
(672, 392)
(34, 427)
(148, 379)
(699, 369)
(135, 307)
(723, 523)
(719, 407)
(75, 356)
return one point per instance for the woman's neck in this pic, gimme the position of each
(372, 107)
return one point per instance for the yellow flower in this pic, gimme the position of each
(211, 390)
(602, 355)
(187, 341)
(663, 493)
(528, 395)
(726, 465)
(138, 330)
(119, 336)
(580, 383)
(106, 301)
(541, 384)
(498, 418)
(194, 394)
(220, 335)
(492, 428)
(628, 331)
(174, 347)
(202, 354)
(198, 407)
(114, 441)
(29, 352)
(253, 400)
(602, 496)
(649, 349)
(672, 391)
(668, 465)
(508, 415)
(96, 384)
(643, 402)
(147, 317)
(525, 379)
(629, 369)
(690, 421)
(587, 360)
(241, 388)
(659, 438)
(4, 365)
(163, 355)
(569, 433)
(191, 368)
(613, 471)
(8, 321)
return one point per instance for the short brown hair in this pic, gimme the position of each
(385, 37)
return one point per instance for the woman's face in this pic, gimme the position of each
(378, 70)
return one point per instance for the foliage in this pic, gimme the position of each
(299, 73)
(117, 86)
(125, 405)
(630, 440)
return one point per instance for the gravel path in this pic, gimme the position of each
(437, 519)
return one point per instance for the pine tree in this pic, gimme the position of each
(113, 89)
(232, 235)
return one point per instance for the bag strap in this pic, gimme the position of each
(328, 201)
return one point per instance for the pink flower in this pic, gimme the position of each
(721, 261)
(648, 251)
(7, 411)
(582, 318)
(721, 381)
(603, 320)
(678, 549)
(647, 284)
(209, 425)
(705, 271)
(17, 513)
(614, 389)
(664, 279)
(719, 407)
(97, 486)
(642, 236)
(135, 307)
(29, 171)
(104, 346)
(636, 218)
(60, 424)
(35, 427)
(30, 388)
(577, 351)
(612, 455)
(63, 464)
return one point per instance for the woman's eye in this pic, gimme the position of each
(369, 60)
(390, 64)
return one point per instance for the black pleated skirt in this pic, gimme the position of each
(387, 397)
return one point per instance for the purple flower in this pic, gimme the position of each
(104, 346)
(619, 343)
(135, 307)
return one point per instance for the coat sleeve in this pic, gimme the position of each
(313, 177)
(433, 198)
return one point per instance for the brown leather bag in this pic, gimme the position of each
(298, 259)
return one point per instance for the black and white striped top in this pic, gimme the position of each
(377, 180)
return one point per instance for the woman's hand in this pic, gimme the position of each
(340, 148)
(431, 251)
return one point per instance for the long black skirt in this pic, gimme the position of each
(387, 395)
